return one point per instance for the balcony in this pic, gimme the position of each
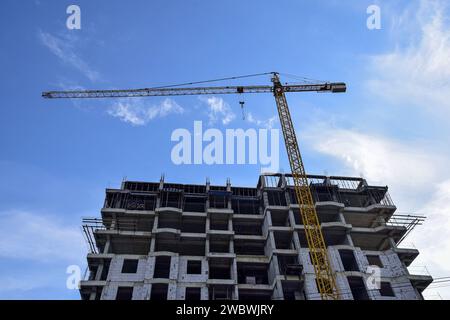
(122, 231)
(407, 253)
(352, 192)
(420, 277)
(129, 201)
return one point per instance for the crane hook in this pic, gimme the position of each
(242, 108)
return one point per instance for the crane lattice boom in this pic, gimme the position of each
(325, 277)
(154, 92)
(326, 281)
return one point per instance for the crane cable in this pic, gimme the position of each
(292, 76)
(213, 80)
(301, 78)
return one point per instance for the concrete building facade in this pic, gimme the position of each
(190, 242)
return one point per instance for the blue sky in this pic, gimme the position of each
(58, 156)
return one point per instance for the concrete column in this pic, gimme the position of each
(349, 239)
(392, 243)
(235, 295)
(92, 295)
(262, 181)
(296, 240)
(283, 180)
(113, 222)
(174, 263)
(152, 244)
(265, 199)
(107, 245)
(271, 240)
(274, 269)
(98, 275)
(204, 295)
(278, 291)
(172, 291)
(155, 222)
(291, 218)
(206, 246)
(287, 198)
(208, 223)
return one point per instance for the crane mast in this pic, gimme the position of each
(325, 277)
(326, 281)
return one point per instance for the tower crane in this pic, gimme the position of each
(325, 278)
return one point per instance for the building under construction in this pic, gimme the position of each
(198, 242)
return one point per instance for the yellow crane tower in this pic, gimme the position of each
(325, 277)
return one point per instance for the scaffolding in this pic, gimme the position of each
(407, 221)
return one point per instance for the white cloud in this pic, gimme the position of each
(218, 110)
(25, 283)
(419, 73)
(435, 237)
(37, 249)
(39, 238)
(64, 49)
(268, 123)
(418, 177)
(431, 239)
(379, 159)
(136, 112)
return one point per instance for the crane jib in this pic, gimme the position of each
(148, 92)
